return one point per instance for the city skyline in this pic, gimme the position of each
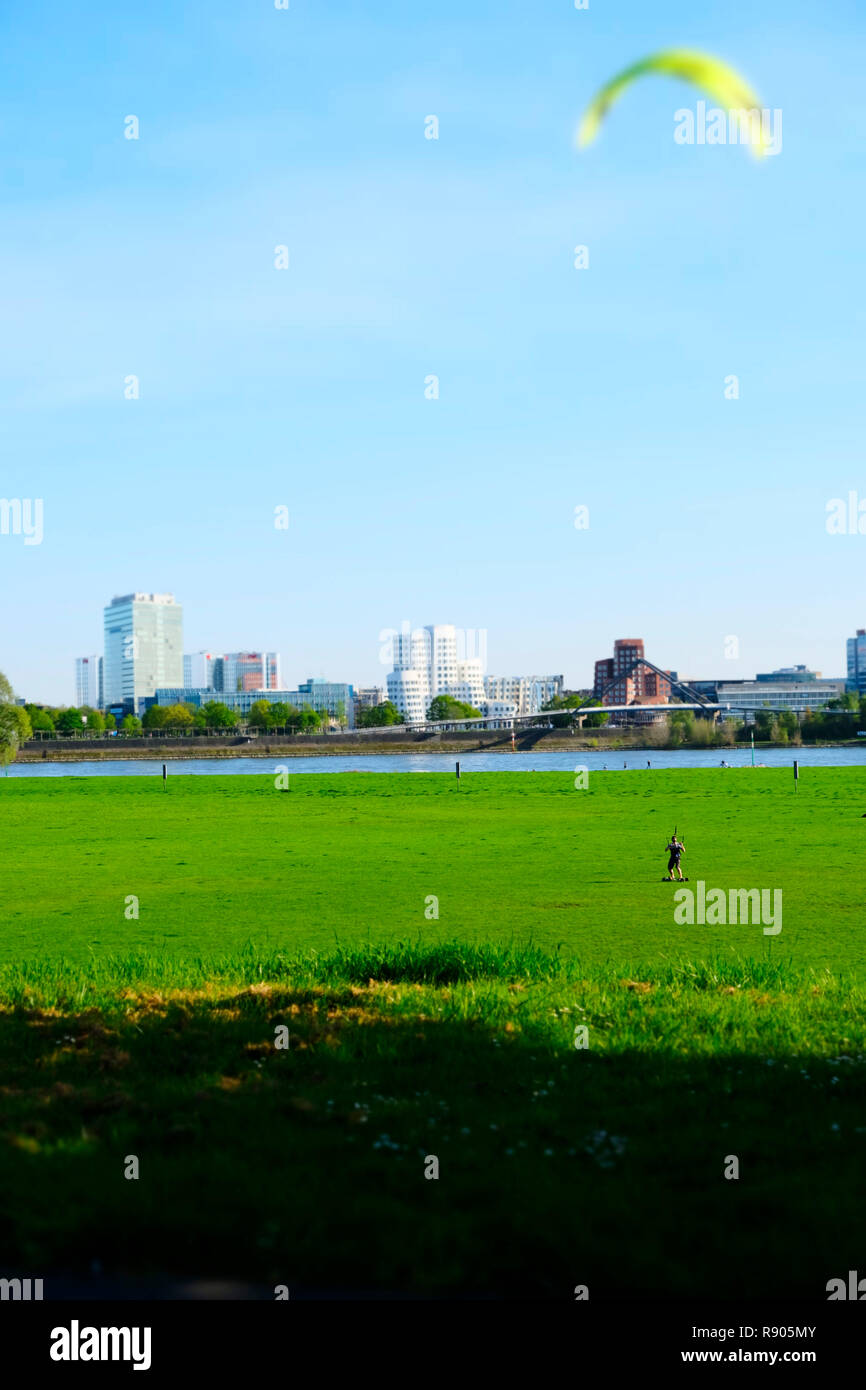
(333, 667)
(398, 650)
(402, 654)
(415, 660)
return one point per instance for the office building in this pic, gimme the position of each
(197, 670)
(789, 673)
(143, 648)
(335, 698)
(88, 681)
(744, 698)
(234, 671)
(856, 681)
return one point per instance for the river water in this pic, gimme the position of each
(632, 761)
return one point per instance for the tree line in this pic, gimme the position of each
(840, 719)
(18, 723)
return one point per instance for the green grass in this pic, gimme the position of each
(412, 1037)
(220, 862)
(557, 1166)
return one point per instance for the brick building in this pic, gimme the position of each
(640, 687)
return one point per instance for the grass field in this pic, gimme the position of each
(411, 1037)
(218, 863)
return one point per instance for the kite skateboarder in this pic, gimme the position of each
(675, 850)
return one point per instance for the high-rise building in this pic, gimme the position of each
(197, 670)
(427, 663)
(856, 680)
(88, 681)
(235, 671)
(143, 648)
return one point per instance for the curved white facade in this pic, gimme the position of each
(427, 664)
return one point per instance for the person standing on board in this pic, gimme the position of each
(676, 849)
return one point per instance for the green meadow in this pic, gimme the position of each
(582, 1068)
(217, 863)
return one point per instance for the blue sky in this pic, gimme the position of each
(410, 257)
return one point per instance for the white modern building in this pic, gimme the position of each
(427, 663)
(856, 681)
(746, 697)
(444, 660)
(143, 648)
(88, 681)
(528, 694)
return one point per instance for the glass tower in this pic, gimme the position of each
(143, 647)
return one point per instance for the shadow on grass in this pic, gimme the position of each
(305, 1166)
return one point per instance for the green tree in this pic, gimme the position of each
(728, 733)
(17, 715)
(260, 714)
(95, 720)
(446, 707)
(703, 733)
(568, 701)
(309, 718)
(764, 720)
(573, 700)
(848, 701)
(155, 717)
(179, 717)
(130, 724)
(110, 721)
(682, 726)
(282, 716)
(789, 724)
(219, 716)
(69, 721)
(379, 716)
(40, 719)
(15, 724)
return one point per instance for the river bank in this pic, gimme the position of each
(334, 745)
(349, 745)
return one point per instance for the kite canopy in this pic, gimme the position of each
(717, 79)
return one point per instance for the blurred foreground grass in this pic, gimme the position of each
(558, 1165)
